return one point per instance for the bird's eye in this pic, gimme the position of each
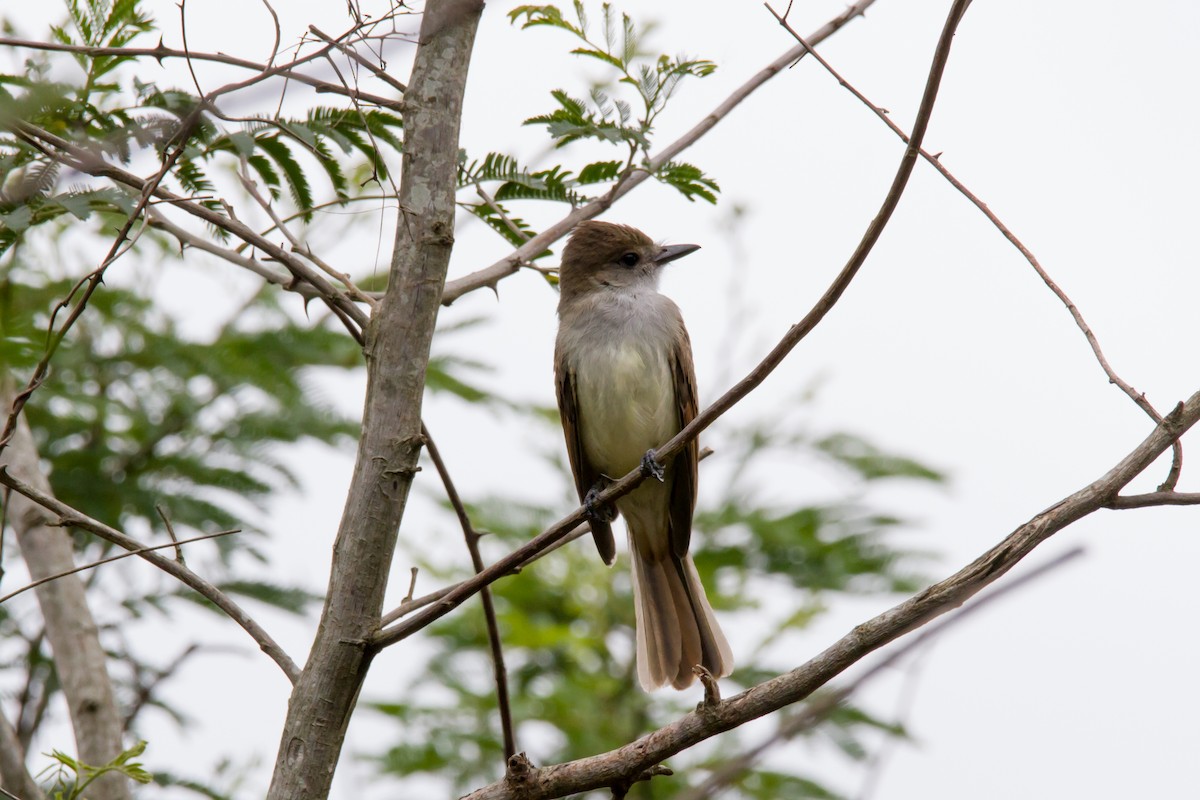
(630, 259)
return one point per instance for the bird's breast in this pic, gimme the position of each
(626, 396)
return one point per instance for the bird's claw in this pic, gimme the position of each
(651, 468)
(594, 509)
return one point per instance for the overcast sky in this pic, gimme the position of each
(1076, 123)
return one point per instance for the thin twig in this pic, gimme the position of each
(146, 690)
(174, 543)
(510, 264)
(379, 71)
(278, 35)
(1138, 397)
(161, 52)
(494, 206)
(1154, 499)
(71, 517)
(485, 596)
(162, 514)
(298, 245)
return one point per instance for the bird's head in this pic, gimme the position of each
(602, 254)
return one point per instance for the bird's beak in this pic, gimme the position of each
(674, 251)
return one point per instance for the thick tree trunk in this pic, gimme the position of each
(397, 351)
(79, 659)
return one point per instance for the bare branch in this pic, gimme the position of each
(122, 243)
(70, 517)
(173, 544)
(82, 160)
(610, 768)
(1138, 397)
(349, 52)
(161, 52)
(485, 596)
(1155, 499)
(297, 244)
(490, 276)
(819, 709)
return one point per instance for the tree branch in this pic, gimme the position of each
(80, 159)
(70, 517)
(83, 568)
(485, 597)
(820, 708)
(397, 346)
(15, 780)
(935, 161)
(1154, 499)
(161, 52)
(611, 768)
(122, 243)
(509, 265)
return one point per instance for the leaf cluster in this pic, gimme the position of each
(70, 776)
(620, 111)
(113, 114)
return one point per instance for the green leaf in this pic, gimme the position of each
(600, 172)
(297, 181)
(689, 180)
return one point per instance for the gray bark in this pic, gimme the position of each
(79, 659)
(397, 352)
(14, 777)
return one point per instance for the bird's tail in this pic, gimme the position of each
(676, 629)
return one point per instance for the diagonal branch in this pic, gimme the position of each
(820, 708)
(618, 765)
(84, 567)
(490, 276)
(935, 161)
(80, 159)
(122, 243)
(70, 517)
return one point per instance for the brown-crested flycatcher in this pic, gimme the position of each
(627, 384)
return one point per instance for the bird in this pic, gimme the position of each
(626, 384)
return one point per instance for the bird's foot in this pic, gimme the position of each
(651, 468)
(596, 510)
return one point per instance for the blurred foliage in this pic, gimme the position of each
(567, 622)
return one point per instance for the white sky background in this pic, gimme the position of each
(1076, 123)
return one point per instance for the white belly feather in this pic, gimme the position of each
(625, 390)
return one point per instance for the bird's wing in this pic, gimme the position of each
(586, 475)
(683, 485)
